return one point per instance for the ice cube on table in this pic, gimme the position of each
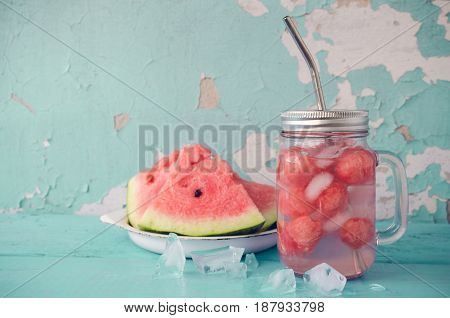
(325, 279)
(377, 287)
(236, 270)
(173, 259)
(251, 262)
(317, 184)
(216, 260)
(281, 281)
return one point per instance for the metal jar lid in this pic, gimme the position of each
(325, 121)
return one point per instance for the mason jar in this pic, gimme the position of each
(326, 190)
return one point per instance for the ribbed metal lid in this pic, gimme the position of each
(325, 121)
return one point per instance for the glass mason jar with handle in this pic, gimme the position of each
(326, 192)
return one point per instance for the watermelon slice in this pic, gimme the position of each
(264, 197)
(200, 196)
(151, 181)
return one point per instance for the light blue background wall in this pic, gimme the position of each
(77, 79)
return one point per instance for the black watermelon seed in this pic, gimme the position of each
(150, 178)
(198, 193)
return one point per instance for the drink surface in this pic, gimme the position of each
(326, 204)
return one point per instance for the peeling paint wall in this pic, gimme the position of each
(78, 78)
(209, 97)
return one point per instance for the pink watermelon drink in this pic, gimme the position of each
(326, 205)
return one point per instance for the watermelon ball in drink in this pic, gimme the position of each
(355, 166)
(357, 232)
(305, 232)
(292, 203)
(298, 236)
(295, 167)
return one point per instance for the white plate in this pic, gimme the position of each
(156, 242)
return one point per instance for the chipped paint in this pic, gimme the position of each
(22, 102)
(254, 71)
(386, 24)
(415, 163)
(345, 99)
(209, 96)
(404, 130)
(114, 200)
(10, 210)
(30, 195)
(120, 120)
(375, 124)
(255, 7)
(443, 16)
(423, 198)
(253, 156)
(345, 3)
(367, 92)
(290, 5)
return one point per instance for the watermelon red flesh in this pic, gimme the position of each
(264, 197)
(191, 155)
(152, 181)
(222, 207)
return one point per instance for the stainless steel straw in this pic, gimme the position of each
(309, 60)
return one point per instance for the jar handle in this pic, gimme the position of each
(398, 227)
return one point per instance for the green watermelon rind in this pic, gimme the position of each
(155, 221)
(146, 219)
(270, 215)
(195, 229)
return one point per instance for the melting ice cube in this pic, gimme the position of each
(326, 156)
(319, 183)
(251, 261)
(325, 279)
(236, 270)
(281, 281)
(216, 260)
(173, 259)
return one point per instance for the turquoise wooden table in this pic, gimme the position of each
(71, 256)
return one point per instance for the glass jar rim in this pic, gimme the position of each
(324, 134)
(325, 121)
